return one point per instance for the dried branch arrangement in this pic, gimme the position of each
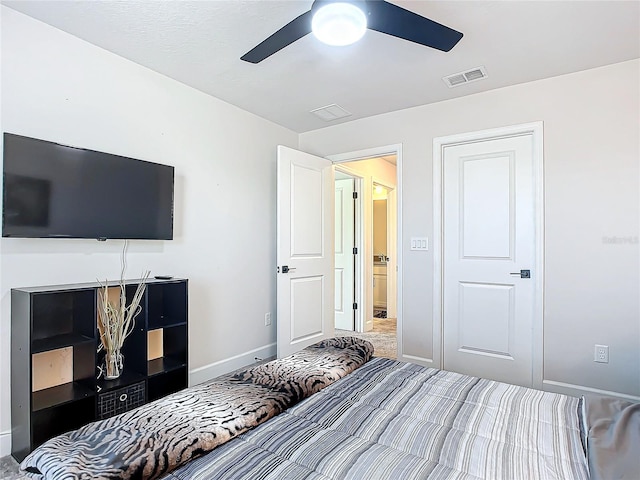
(116, 321)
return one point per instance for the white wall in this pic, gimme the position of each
(57, 87)
(592, 166)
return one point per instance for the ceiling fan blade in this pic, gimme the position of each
(292, 31)
(388, 18)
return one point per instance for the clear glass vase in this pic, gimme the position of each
(113, 364)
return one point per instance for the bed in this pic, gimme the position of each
(333, 412)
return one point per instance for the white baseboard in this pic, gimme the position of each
(579, 390)
(202, 374)
(5, 443)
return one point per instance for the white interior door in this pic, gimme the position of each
(305, 210)
(488, 236)
(344, 257)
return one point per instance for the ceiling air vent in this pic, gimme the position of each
(465, 77)
(331, 112)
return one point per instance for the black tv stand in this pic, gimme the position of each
(54, 359)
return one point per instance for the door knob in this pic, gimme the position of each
(287, 269)
(522, 273)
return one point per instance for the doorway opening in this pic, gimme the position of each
(305, 244)
(373, 282)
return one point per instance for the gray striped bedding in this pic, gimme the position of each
(152, 440)
(394, 420)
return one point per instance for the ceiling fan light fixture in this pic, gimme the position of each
(339, 24)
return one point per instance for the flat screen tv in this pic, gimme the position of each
(58, 191)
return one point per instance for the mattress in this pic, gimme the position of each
(395, 420)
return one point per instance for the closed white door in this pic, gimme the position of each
(488, 248)
(305, 239)
(344, 256)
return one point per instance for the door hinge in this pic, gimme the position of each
(355, 195)
(355, 250)
(355, 306)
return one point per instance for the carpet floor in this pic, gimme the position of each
(9, 469)
(383, 337)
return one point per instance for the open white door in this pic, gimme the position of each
(344, 256)
(305, 250)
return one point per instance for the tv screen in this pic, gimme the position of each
(58, 191)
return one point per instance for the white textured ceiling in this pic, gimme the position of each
(200, 43)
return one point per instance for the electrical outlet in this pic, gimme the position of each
(267, 319)
(601, 354)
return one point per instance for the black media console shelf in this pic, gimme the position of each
(54, 359)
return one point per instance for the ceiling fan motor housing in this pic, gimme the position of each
(338, 23)
(361, 4)
(381, 16)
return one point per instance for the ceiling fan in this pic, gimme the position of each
(342, 22)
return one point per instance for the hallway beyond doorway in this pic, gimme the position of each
(383, 337)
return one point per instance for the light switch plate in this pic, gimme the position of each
(419, 243)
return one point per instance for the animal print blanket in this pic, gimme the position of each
(156, 438)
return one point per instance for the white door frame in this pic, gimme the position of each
(392, 239)
(535, 129)
(358, 293)
(395, 149)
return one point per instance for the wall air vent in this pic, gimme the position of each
(331, 112)
(469, 76)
